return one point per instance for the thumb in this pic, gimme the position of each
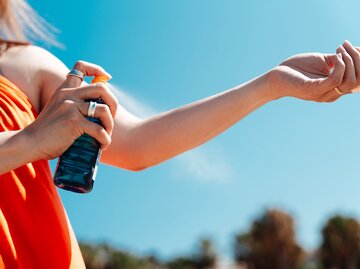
(88, 69)
(337, 74)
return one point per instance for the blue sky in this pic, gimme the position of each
(296, 155)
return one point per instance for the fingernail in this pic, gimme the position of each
(341, 48)
(347, 42)
(339, 55)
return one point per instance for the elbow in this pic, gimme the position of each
(130, 162)
(141, 162)
(132, 154)
(142, 159)
(134, 162)
(130, 165)
(137, 168)
(144, 165)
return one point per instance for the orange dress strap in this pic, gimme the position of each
(34, 228)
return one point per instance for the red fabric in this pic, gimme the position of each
(34, 228)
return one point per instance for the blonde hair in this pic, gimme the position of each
(20, 23)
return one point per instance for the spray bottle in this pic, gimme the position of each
(77, 166)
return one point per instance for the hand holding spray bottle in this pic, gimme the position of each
(77, 166)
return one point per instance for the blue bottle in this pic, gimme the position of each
(77, 166)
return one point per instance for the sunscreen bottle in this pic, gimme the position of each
(77, 166)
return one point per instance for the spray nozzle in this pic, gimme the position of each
(100, 78)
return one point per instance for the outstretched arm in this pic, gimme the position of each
(154, 140)
(312, 76)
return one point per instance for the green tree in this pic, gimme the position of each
(340, 246)
(205, 257)
(242, 248)
(270, 244)
(106, 257)
(182, 263)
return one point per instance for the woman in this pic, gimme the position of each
(39, 120)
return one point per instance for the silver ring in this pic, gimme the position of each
(91, 109)
(338, 91)
(76, 73)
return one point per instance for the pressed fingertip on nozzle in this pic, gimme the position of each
(100, 78)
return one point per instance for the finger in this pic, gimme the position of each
(333, 99)
(88, 69)
(358, 88)
(97, 132)
(328, 59)
(329, 96)
(102, 112)
(336, 77)
(94, 91)
(355, 55)
(349, 80)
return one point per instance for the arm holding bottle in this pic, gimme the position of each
(141, 143)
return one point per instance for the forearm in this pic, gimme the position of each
(15, 150)
(168, 134)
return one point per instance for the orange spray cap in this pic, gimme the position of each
(100, 78)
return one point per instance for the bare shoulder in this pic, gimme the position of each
(33, 60)
(36, 72)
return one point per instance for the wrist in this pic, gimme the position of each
(30, 149)
(253, 94)
(266, 86)
(273, 88)
(16, 149)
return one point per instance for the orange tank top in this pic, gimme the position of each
(34, 228)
